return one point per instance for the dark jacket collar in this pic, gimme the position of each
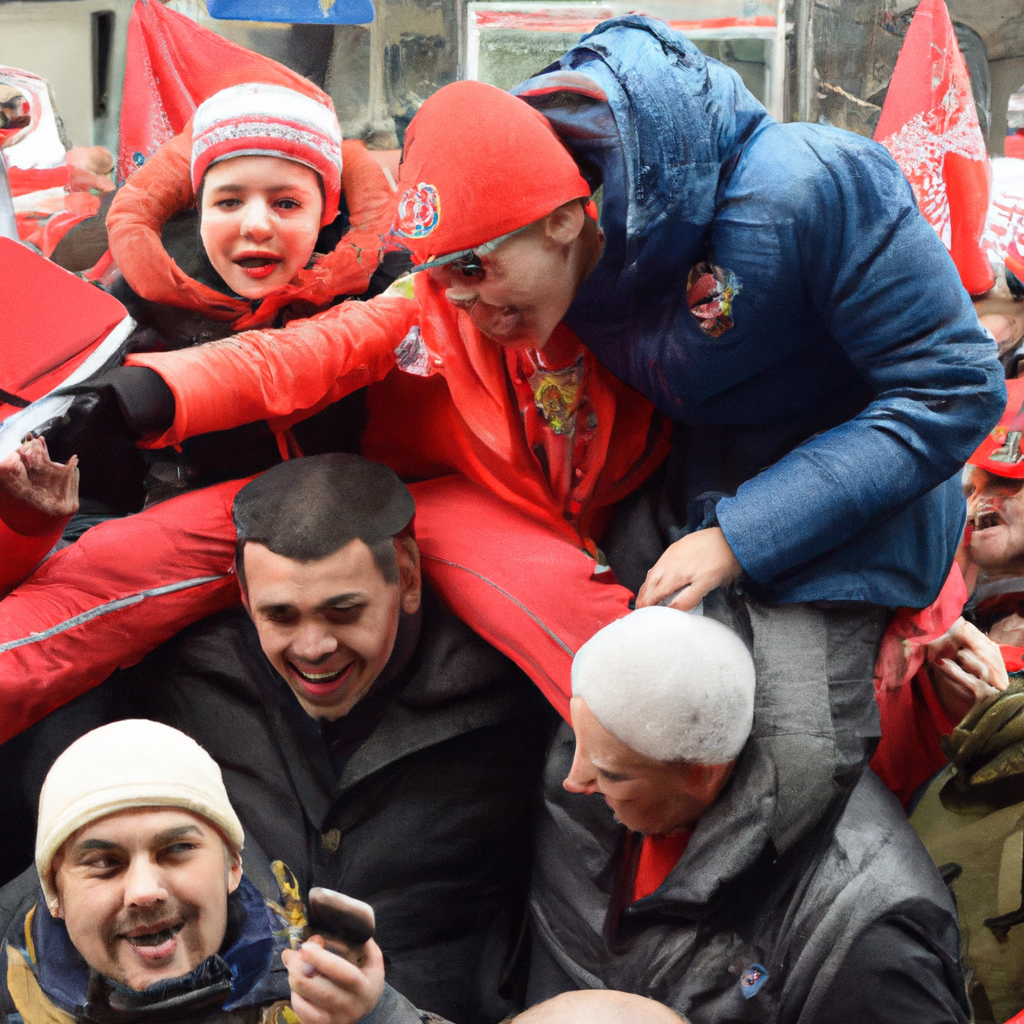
(245, 962)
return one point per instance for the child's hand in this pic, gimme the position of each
(327, 989)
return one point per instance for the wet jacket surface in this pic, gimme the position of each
(840, 378)
(419, 802)
(736, 933)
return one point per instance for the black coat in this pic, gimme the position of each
(430, 819)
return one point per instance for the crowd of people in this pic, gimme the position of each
(553, 610)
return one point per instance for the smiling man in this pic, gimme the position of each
(654, 869)
(368, 738)
(142, 912)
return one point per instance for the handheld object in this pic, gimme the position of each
(344, 923)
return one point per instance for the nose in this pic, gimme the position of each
(582, 777)
(313, 643)
(144, 884)
(256, 220)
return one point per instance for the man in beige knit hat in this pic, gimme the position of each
(145, 913)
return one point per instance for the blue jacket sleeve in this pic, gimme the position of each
(888, 294)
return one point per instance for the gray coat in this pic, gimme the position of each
(731, 904)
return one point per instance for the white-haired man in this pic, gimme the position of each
(674, 889)
(145, 915)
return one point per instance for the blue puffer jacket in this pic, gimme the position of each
(841, 378)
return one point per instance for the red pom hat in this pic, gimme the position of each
(258, 119)
(1002, 452)
(478, 164)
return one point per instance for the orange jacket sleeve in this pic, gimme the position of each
(281, 375)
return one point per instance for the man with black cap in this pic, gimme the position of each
(376, 745)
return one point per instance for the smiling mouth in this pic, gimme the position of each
(317, 683)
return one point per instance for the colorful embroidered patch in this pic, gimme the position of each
(557, 395)
(419, 211)
(752, 980)
(710, 291)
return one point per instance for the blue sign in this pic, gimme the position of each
(296, 12)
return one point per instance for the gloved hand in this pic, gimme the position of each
(110, 412)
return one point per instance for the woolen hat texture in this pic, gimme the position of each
(478, 163)
(671, 685)
(125, 766)
(258, 119)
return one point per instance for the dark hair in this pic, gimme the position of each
(307, 509)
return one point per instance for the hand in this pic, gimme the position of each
(35, 492)
(327, 989)
(698, 562)
(965, 668)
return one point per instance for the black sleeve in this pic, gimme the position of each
(146, 402)
(893, 974)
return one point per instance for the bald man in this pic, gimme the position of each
(599, 1006)
(655, 873)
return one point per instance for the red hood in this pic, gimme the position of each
(162, 188)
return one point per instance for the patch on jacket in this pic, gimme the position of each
(752, 980)
(419, 211)
(710, 292)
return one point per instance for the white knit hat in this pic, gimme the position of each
(259, 119)
(671, 685)
(124, 766)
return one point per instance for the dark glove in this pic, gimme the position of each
(111, 411)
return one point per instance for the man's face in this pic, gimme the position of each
(995, 517)
(144, 894)
(329, 626)
(652, 797)
(260, 221)
(520, 294)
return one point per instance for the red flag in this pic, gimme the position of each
(172, 65)
(930, 125)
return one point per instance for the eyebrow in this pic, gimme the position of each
(237, 189)
(351, 598)
(170, 835)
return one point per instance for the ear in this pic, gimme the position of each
(233, 868)
(410, 579)
(708, 780)
(563, 226)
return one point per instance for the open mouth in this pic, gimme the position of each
(157, 944)
(321, 682)
(985, 517)
(258, 266)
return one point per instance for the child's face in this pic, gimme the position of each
(260, 220)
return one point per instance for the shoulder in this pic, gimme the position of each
(807, 171)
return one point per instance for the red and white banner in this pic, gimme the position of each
(930, 125)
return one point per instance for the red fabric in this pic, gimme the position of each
(55, 323)
(46, 230)
(1010, 461)
(658, 856)
(93, 588)
(451, 191)
(930, 125)
(23, 181)
(531, 593)
(172, 65)
(163, 188)
(22, 554)
(469, 423)
(913, 721)
(1014, 145)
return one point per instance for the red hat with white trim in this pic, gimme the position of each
(478, 164)
(259, 119)
(1001, 453)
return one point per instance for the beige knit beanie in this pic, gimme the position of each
(124, 766)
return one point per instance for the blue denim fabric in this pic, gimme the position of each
(855, 380)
